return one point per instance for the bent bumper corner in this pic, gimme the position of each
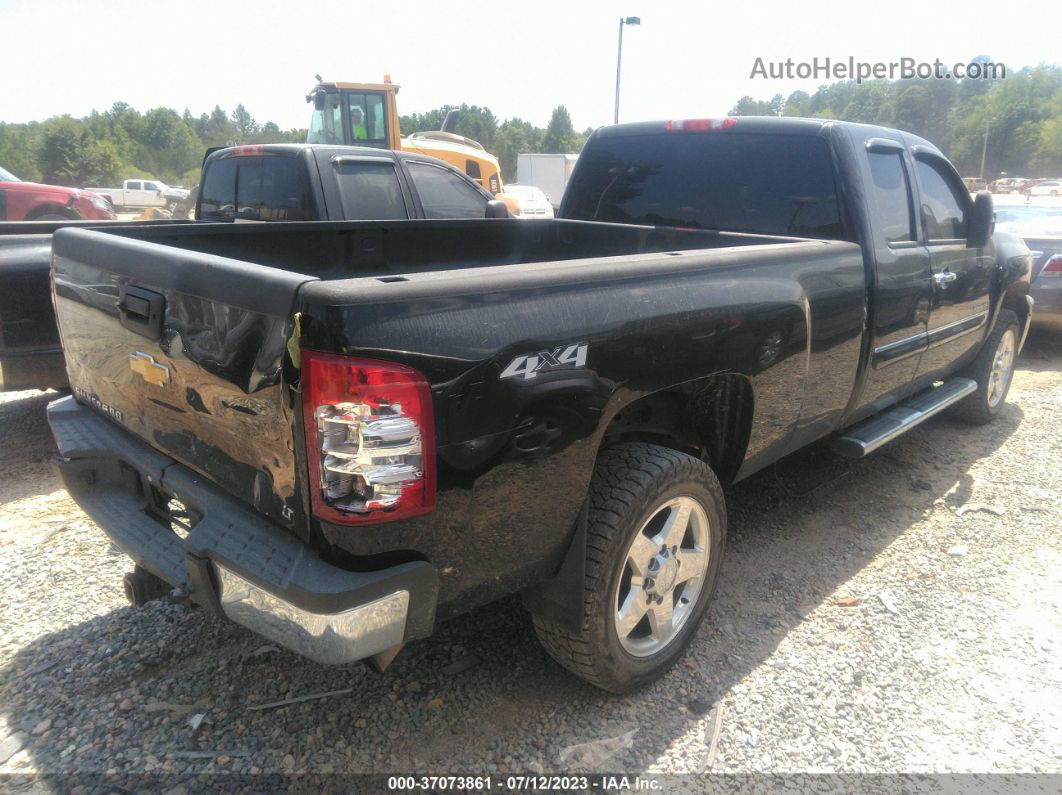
(233, 560)
(329, 638)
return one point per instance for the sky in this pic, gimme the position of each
(686, 59)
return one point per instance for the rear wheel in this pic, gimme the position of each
(655, 537)
(993, 370)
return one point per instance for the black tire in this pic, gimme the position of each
(631, 483)
(984, 405)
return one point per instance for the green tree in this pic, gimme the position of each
(244, 125)
(69, 156)
(560, 134)
(747, 106)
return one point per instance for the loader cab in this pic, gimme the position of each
(354, 114)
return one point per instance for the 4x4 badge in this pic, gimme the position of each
(562, 358)
(146, 367)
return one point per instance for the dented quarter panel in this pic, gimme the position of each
(516, 454)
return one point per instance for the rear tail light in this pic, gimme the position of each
(370, 437)
(699, 125)
(1053, 267)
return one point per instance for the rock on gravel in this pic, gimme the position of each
(801, 662)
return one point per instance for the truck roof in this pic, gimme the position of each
(788, 125)
(363, 151)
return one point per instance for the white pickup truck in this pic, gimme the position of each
(142, 193)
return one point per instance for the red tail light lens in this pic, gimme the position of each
(1053, 267)
(699, 125)
(370, 439)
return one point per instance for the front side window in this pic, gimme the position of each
(893, 195)
(446, 195)
(942, 207)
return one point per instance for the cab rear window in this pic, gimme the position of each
(256, 188)
(748, 182)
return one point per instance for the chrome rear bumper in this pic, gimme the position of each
(330, 638)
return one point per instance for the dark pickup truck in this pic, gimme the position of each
(270, 182)
(339, 434)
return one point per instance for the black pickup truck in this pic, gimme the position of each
(270, 182)
(339, 434)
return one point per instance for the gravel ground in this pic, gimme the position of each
(873, 616)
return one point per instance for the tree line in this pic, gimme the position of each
(1019, 117)
(105, 148)
(1022, 114)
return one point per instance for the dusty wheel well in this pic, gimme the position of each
(709, 419)
(50, 209)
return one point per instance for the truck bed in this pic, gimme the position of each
(328, 250)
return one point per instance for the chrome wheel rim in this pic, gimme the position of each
(1002, 365)
(662, 577)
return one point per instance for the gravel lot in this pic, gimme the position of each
(865, 622)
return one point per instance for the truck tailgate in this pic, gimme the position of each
(187, 351)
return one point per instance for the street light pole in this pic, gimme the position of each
(619, 59)
(984, 150)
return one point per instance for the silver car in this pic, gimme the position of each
(1041, 228)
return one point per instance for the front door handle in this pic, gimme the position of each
(944, 277)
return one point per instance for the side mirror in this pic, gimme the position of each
(496, 209)
(982, 221)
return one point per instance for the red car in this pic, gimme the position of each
(30, 201)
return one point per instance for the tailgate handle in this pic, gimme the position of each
(141, 311)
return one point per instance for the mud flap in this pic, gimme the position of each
(559, 599)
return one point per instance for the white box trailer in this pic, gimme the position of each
(547, 172)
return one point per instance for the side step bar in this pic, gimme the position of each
(866, 437)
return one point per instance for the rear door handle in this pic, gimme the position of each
(944, 277)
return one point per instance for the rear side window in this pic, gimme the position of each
(446, 195)
(893, 196)
(266, 188)
(942, 205)
(369, 191)
(738, 182)
(133, 186)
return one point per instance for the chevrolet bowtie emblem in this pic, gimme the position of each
(148, 369)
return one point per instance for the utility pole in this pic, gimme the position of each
(619, 59)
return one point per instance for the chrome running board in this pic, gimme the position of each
(866, 437)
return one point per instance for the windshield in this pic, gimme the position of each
(748, 182)
(326, 125)
(7, 176)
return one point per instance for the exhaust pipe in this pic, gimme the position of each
(450, 122)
